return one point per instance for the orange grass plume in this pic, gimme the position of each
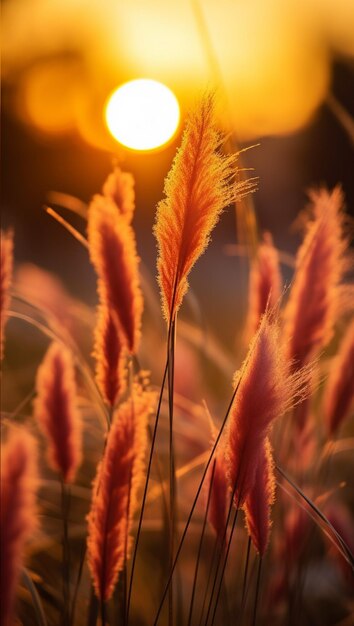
(339, 393)
(109, 352)
(115, 493)
(265, 283)
(6, 269)
(56, 411)
(260, 498)
(119, 187)
(17, 514)
(265, 391)
(315, 297)
(199, 185)
(113, 253)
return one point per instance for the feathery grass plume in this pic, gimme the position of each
(6, 267)
(119, 186)
(115, 490)
(56, 411)
(315, 297)
(339, 394)
(109, 352)
(113, 254)
(264, 283)
(259, 500)
(17, 514)
(197, 188)
(266, 390)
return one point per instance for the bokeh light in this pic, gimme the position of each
(142, 114)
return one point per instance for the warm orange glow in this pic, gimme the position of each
(50, 94)
(142, 114)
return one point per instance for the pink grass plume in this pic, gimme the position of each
(258, 503)
(264, 283)
(266, 390)
(113, 253)
(56, 411)
(339, 393)
(315, 296)
(6, 270)
(17, 515)
(109, 352)
(115, 493)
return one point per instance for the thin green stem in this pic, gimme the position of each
(125, 582)
(103, 613)
(340, 543)
(245, 576)
(145, 490)
(65, 555)
(200, 545)
(258, 584)
(224, 564)
(77, 585)
(214, 555)
(196, 498)
(172, 475)
(223, 541)
(93, 609)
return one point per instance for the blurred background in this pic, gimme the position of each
(284, 75)
(284, 72)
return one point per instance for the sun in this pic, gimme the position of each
(142, 114)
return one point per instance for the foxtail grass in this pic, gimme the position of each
(18, 518)
(6, 269)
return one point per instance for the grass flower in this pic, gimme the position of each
(113, 254)
(115, 492)
(17, 514)
(6, 267)
(266, 391)
(198, 187)
(339, 393)
(109, 353)
(315, 299)
(56, 411)
(264, 283)
(259, 500)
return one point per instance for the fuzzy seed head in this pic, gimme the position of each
(110, 355)
(6, 270)
(113, 254)
(115, 493)
(197, 188)
(56, 411)
(17, 514)
(315, 297)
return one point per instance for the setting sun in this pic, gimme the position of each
(142, 114)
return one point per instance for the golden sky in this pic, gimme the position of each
(270, 60)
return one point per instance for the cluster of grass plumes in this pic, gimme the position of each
(140, 517)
